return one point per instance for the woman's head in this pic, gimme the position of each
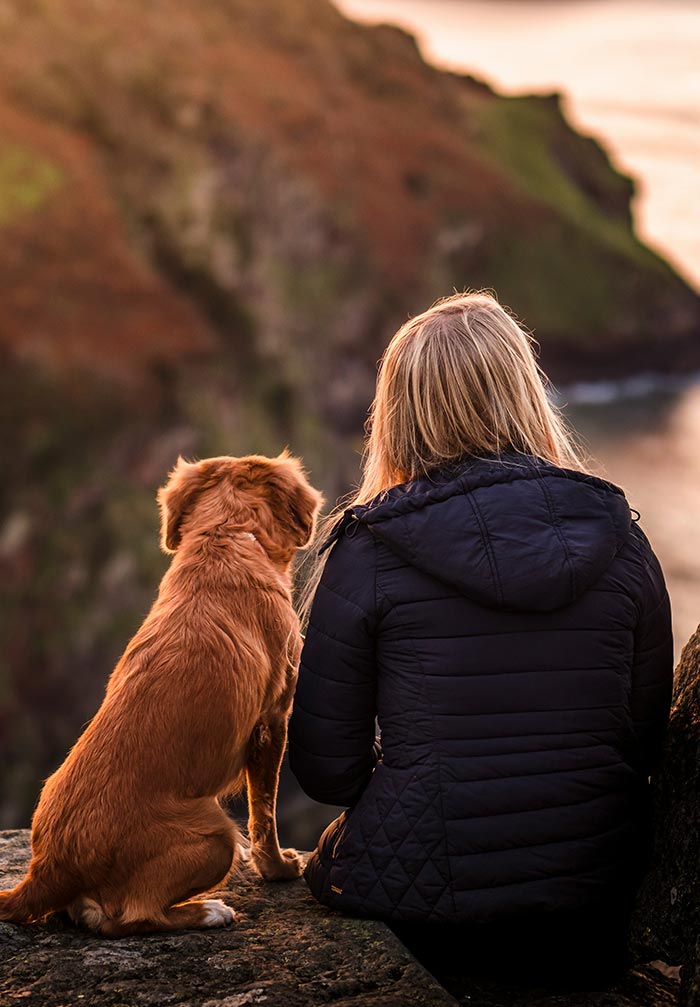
(459, 379)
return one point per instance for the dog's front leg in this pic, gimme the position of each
(264, 757)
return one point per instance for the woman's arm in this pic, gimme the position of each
(652, 669)
(332, 748)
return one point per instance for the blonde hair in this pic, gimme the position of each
(460, 379)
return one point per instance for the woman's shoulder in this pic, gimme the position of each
(644, 574)
(349, 572)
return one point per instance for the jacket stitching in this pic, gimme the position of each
(556, 524)
(337, 639)
(525, 671)
(342, 597)
(571, 770)
(435, 748)
(548, 842)
(538, 879)
(488, 549)
(556, 709)
(534, 811)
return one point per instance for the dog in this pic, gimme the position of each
(129, 830)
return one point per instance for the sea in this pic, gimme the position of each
(629, 73)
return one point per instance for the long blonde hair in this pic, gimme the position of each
(460, 379)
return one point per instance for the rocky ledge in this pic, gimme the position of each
(284, 950)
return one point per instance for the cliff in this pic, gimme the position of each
(275, 179)
(213, 217)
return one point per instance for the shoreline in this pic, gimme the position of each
(633, 387)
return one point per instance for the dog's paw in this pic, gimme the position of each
(293, 863)
(285, 867)
(87, 912)
(217, 913)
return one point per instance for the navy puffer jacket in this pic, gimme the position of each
(507, 623)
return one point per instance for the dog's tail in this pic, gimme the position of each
(42, 892)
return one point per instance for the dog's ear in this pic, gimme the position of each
(176, 500)
(295, 502)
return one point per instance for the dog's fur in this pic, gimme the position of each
(129, 829)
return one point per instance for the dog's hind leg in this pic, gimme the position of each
(192, 915)
(87, 912)
(159, 894)
(263, 759)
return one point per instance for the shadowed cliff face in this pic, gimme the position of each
(213, 217)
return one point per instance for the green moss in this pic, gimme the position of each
(529, 138)
(571, 294)
(27, 181)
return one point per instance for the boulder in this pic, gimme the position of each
(283, 949)
(691, 979)
(667, 918)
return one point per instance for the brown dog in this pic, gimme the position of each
(129, 828)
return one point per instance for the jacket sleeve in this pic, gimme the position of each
(652, 669)
(332, 748)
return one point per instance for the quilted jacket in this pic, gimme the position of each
(506, 624)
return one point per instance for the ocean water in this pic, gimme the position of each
(630, 74)
(646, 440)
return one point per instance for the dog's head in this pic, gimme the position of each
(270, 497)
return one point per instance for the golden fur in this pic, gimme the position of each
(129, 829)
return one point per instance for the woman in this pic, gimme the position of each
(502, 615)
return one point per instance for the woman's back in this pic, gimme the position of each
(508, 624)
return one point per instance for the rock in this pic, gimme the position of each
(643, 986)
(690, 994)
(667, 918)
(284, 950)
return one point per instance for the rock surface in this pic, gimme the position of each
(667, 923)
(284, 950)
(691, 980)
(643, 986)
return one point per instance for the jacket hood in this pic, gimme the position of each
(511, 532)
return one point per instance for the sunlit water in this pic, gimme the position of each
(649, 445)
(630, 72)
